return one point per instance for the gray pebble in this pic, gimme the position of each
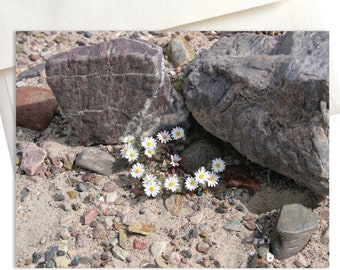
(58, 197)
(49, 254)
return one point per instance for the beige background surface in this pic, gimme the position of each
(230, 15)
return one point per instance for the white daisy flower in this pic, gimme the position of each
(177, 133)
(125, 149)
(171, 183)
(191, 183)
(212, 181)
(128, 139)
(218, 165)
(152, 189)
(149, 152)
(131, 154)
(137, 170)
(201, 175)
(149, 179)
(149, 142)
(164, 136)
(175, 160)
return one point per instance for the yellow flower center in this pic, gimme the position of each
(132, 155)
(137, 170)
(201, 176)
(218, 165)
(148, 143)
(164, 136)
(171, 184)
(178, 133)
(192, 183)
(152, 189)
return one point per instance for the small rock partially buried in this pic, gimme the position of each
(32, 158)
(293, 230)
(142, 228)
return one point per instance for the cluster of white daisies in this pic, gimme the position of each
(153, 185)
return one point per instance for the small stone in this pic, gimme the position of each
(87, 34)
(58, 197)
(36, 256)
(123, 239)
(174, 243)
(28, 261)
(249, 216)
(80, 241)
(174, 204)
(96, 160)
(234, 225)
(32, 72)
(186, 253)
(62, 261)
(61, 252)
(32, 158)
(61, 40)
(110, 186)
(157, 248)
(142, 228)
(65, 234)
(72, 194)
(50, 253)
(203, 234)
(239, 208)
(140, 245)
(197, 218)
(110, 197)
(161, 263)
(119, 253)
(180, 51)
(250, 225)
(99, 233)
(206, 262)
(93, 224)
(203, 247)
(294, 228)
(34, 56)
(105, 256)
(89, 216)
(75, 261)
(68, 165)
(324, 239)
(263, 251)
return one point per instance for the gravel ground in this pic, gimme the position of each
(51, 206)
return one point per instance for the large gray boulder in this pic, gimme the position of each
(113, 89)
(268, 97)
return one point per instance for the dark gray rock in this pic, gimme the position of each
(98, 161)
(32, 72)
(268, 97)
(293, 230)
(113, 89)
(200, 153)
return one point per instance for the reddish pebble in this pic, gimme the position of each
(89, 216)
(140, 245)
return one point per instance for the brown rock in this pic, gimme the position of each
(180, 51)
(250, 225)
(35, 107)
(174, 204)
(140, 245)
(110, 186)
(142, 228)
(32, 158)
(203, 247)
(122, 239)
(72, 194)
(89, 216)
